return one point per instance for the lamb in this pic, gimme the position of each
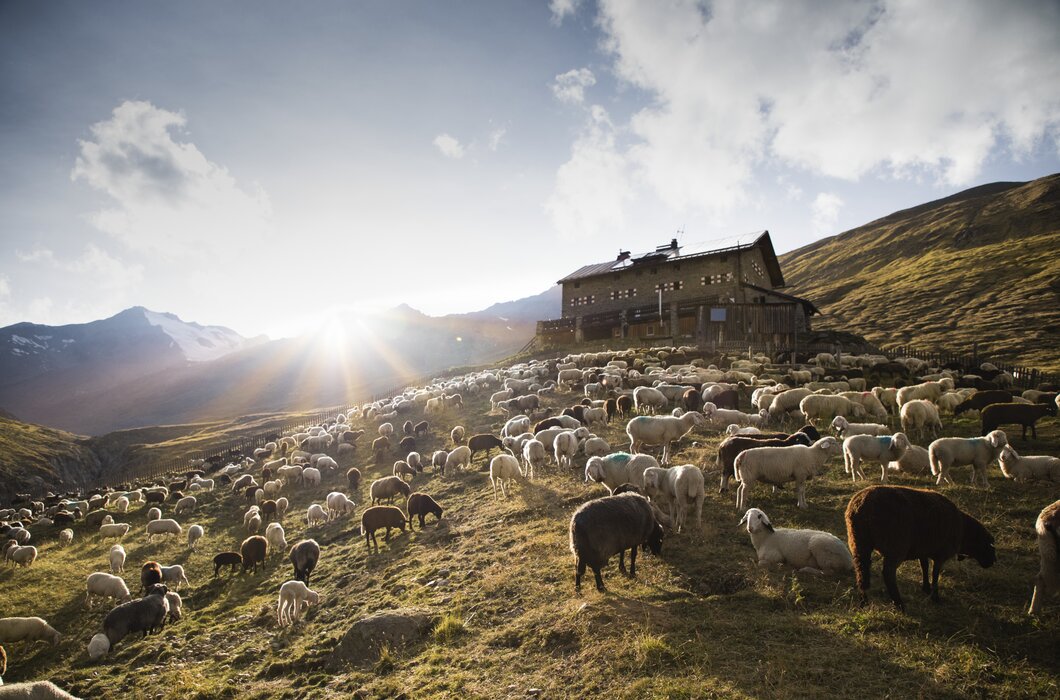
(254, 551)
(457, 435)
(825, 407)
(902, 524)
(165, 526)
(186, 504)
(921, 416)
(174, 574)
(401, 469)
(154, 514)
(140, 615)
(282, 505)
(733, 446)
(420, 505)
(945, 453)
(118, 530)
(176, 606)
(618, 468)
(387, 488)
(315, 514)
(1047, 582)
(293, 595)
(610, 525)
(483, 441)
(678, 488)
(1026, 468)
(647, 399)
(304, 556)
(779, 465)
(661, 430)
(503, 468)
(339, 504)
(377, 518)
(1025, 415)
(806, 551)
(106, 586)
(565, 446)
(725, 417)
(117, 559)
(27, 629)
(460, 457)
(534, 456)
(98, 646)
(885, 449)
(232, 559)
(844, 428)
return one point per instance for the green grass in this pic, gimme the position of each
(701, 620)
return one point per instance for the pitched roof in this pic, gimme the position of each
(810, 308)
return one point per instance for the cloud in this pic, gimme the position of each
(5, 287)
(496, 137)
(167, 196)
(825, 212)
(561, 8)
(449, 146)
(99, 268)
(570, 86)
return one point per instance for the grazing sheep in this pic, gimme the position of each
(339, 504)
(174, 574)
(153, 514)
(483, 442)
(610, 525)
(118, 530)
(565, 446)
(22, 556)
(310, 477)
(732, 446)
(66, 537)
(883, 449)
(98, 647)
(186, 504)
(402, 469)
(618, 468)
(165, 526)
(195, 533)
(457, 435)
(438, 460)
(503, 469)
(844, 428)
(920, 416)
(415, 461)
(421, 429)
(141, 615)
(106, 586)
(807, 551)
(176, 606)
(1024, 415)
(315, 514)
(276, 537)
(678, 488)
(661, 430)
(930, 391)
(117, 559)
(779, 465)
(379, 517)
(27, 629)
(1028, 468)
(825, 408)
(387, 488)
(534, 456)
(281, 507)
(648, 399)
(293, 595)
(254, 551)
(945, 453)
(353, 478)
(304, 556)
(420, 505)
(232, 559)
(460, 457)
(101, 517)
(981, 399)
(902, 524)
(150, 574)
(1047, 582)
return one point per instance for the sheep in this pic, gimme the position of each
(565, 446)
(844, 428)
(610, 525)
(460, 457)
(915, 461)
(154, 514)
(251, 512)
(515, 426)
(174, 574)
(732, 446)
(281, 507)
(503, 469)
(353, 478)
(401, 469)
(648, 399)
(945, 453)
(100, 517)
(106, 585)
(118, 530)
(483, 442)
(438, 460)
(380, 446)
(140, 615)
(117, 559)
(806, 551)
(232, 559)
(291, 474)
(27, 629)
(272, 488)
(379, 517)
(22, 556)
(930, 391)
(310, 477)
(420, 505)
(339, 504)
(165, 526)
(243, 482)
(677, 488)
(387, 488)
(315, 514)
(66, 536)
(534, 457)
(779, 465)
(98, 647)
(304, 556)
(457, 435)
(1025, 468)
(254, 551)
(661, 430)
(922, 416)
(415, 461)
(595, 447)
(293, 595)
(787, 402)
(825, 407)
(618, 468)
(1047, 582)
(176, 606)
(884, 449)
(276, 537)
(724, 417)
(996, 415)
(150, 574)
(902, 524)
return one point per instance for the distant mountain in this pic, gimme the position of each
(547, 304)
(979, 266)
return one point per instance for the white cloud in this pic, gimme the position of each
(570, 86)
(5, 287)
(168, 197)
(496, 137)
(99, 268)
(825, 212)
(449, 146)
(561, 9)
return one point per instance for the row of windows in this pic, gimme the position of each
(583, 301)
(669, 286)
(757, 268)
(720, 278)
(623, 293)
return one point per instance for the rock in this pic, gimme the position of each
(395, 628)
(533, 692)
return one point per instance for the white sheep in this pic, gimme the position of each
(273, 487)
(1028, 467)
(106, 585)
(459, 457)
(282, 504)
(678, 488)
(618, 468)
(174, 574)
(661, 430)
(888, 397)
(595, 447)
(874, 408)
(515, 426)
(176, 605)
(66, 536)
(503, 469)
(921, 416)
(883, 449)
(291, 474)
(914, 461)
(293, 595)
(186, 504)
(844, 428)
(734, 429)
(165, 526)
(117, 559)
(254, 524)
(195, 533)
(98, 646)
(930, 391)
(648, 399)
(787, 402)
(152, 514)
(722, 418)
(566, 446)
(310, 477)
(825, 407)
(118, 530)
(316, 514)
(276, 537)
(339, 504)
(22, 556)
(945, 453)
(807, 551)
(27, 629)
(779, 465)
(594, 416)
(1047, 582)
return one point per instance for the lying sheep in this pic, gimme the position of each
(618, 468)
(377, 518)
(145, 615)
(34, 690)
(386, 488)
(420, 505)
(1028, 468)
(844, 428)
(885, 449)
(902, 524)
(27, 629)
(117, 559)
(807, 551)
(679, 489)
(921, 417)
(779, 465)
(661, 430)
(315, 515)
(945, 453)
(1047, 582)
(610, 525)
(304, 556)
(914, 460)
(293, 595)
(106, 586)
(503, 469)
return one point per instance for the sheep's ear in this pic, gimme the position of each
(742, 520)
(767, 525)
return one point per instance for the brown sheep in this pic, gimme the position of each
(546, 424)
(576, 412)
(1025, 415)
(380, 447)
(407, 444)
(377, 518)
(254, 550)
(268, 510)
(981, 399)
(154, 497)
(304, 557)
(387, 487)
(904, 523)
(421, 429)
(353, 476)
(692, 400)
(611, 408)
(350, 437)
(1048, 580)
(266, 474)
(407, 428)
(150, 574)
(483, 441)
(625, 405)
(232, 559)
(420, 504)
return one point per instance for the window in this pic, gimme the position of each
(718, 278)
(582, 301)
(623, 293)
(651, 329)
(577, 285)
(669, 286)
(757, 268)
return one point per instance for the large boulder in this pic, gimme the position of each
(393, 628)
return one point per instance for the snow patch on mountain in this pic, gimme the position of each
(198, 343)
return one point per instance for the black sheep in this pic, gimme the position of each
(232, 559)
(140, 615)
(608, 526)
(420, 504)
(406, 428)
(304, 557)
(483, 441)
(407, 444)
(998, 414)
(421, 429)
(377, 518)
(902, 524)
(546, 424)
(625, 405)
(981, 399)
(611, 408)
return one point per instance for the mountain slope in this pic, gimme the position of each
(978, 266)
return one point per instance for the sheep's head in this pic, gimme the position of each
(732, 429)
(977, 543)
(757, 521)
(829, 444)
(709, 409)
(997, 439)
(900, 441)
(592, 469)
(654, 541)
(839, 424)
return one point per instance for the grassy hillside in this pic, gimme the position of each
(31, 455)
(977, 266)
(701, 620)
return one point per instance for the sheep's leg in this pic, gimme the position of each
(579, 573)
(801, 503)
(622, 562)
(883, 472)
(890, 579)
(925, 585)
(599, 579)
(936, 571)
(633, 562)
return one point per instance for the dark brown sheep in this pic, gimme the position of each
(249, 493)
(730, 398)
(1047, 582)
(154, 497)
(608, 526)
(150, 574)
(377, 518)
(902, 524)
(577, 412)
(232, 559)
(421, 429)
(407, 444)
(406, 428)
(692, 400)
(351, 436)
(254, 550)
(95, 518)
(63, 518)
(304, 557)
(1026, 415)
(381, 445)
(483, 441)
(732, 446)
(611, 408)
(175, 496)
(268, 510)
(981, 399)
(420, 504)
(546, 424)
(353, 476)
(625, 405)
(266, 474)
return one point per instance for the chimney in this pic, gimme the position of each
(673, 244)
(622, 255)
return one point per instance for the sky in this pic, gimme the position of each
(260, 165)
